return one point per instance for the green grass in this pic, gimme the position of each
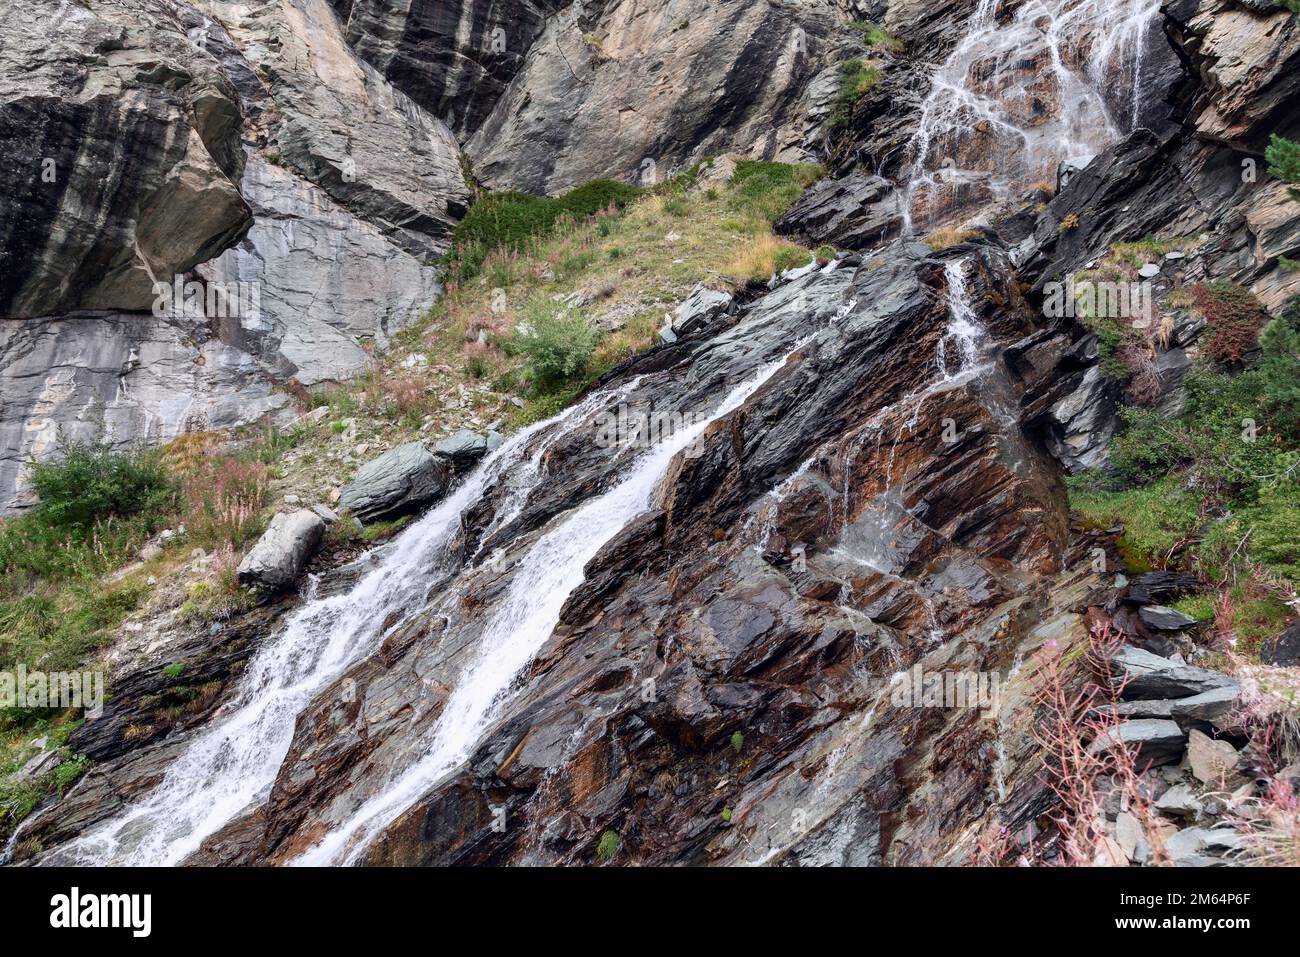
(509, 220)
(857, 78)
(1156, 518)
(876, 37)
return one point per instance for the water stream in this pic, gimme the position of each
(1057, 79)
(516, 630)
(232, 763)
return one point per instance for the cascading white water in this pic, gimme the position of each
(1015, 98)
(516, 630)
(233, 763)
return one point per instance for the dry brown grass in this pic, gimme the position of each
(951, 236)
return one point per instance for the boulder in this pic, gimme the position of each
(1179, 801)
(1150, 676)
(40, 765)
(464, 448)
(1284, 649)
(284, 549)
(1213, 761)
(856, 212)
(700, 309)
(1165, 618)
(1157, 741)
(399, 482)
(1184, 848)
(1211, 706)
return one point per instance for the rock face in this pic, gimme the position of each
(850, 213)
(122, 157)
(454, 58)
(283, 551)
(550, 95)
(289, 199)
(397, 483)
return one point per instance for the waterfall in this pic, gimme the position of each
(232, 764)
(517, 629)
(1060, 78)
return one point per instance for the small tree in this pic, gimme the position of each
(1283, 157)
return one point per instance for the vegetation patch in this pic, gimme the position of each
(1235, 318)
(509, 220)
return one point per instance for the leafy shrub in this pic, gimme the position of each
(608, 846)
(88, 482)
(556, 343)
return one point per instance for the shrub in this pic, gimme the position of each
(88, 482)
(608, 846)
(857, 78)
(556, 343)
(1235, 318)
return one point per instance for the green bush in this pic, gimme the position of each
(608, 846)
(88, 482)
(857, 78)
(767, 190)
(556, 343)
(507, 220)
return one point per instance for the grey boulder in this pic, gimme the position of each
(399, 482)
(284, 549)
(701, 309)
(1157, 741)
(1284, 649)
(463, 447)
(1165, 618)
(1150, 676)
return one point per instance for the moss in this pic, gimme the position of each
(1200, 606)
(608, 846)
